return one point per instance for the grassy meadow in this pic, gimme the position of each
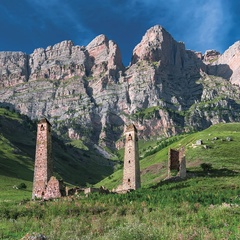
(206, 205)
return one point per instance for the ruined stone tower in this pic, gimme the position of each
(43, 169)
(131, 170)
(177, 162)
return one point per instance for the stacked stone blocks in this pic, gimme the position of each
(45, 185)
(131, 170)
(177, 161)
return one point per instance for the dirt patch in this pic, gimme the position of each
(194, 163)
(153, 169)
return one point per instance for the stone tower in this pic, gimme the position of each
(177, 162)
(131, 170)
(43, 169)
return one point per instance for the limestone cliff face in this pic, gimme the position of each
(171, 71)
(61, 61)
(158, 45)
(88, 94)
(13, 68)
(228, 64)
(105, 56)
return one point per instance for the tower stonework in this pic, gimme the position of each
(131, 170)
(177, 162)
(43, 169)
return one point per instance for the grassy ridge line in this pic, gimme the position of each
(216, 149)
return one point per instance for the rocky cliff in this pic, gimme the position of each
(87, 93)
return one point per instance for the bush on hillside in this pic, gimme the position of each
(21, 186)
(206, 166)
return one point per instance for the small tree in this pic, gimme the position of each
(21, 186)
(206, 166)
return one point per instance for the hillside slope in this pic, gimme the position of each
(220, 148)
(203, 206)
(73, 162)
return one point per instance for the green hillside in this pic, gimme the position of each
(73, 163)
(220, 147)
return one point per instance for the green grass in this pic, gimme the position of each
(206, 205)
(184, 210)
(78, 144)
(11, 194)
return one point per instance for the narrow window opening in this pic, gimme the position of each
(129, 180)
(129, 161)
(129, 137)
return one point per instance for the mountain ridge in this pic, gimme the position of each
(87, 92)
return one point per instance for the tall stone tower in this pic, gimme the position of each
(43, 169)
(131, 170)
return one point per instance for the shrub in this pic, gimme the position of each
(21, 186)
(206, 166)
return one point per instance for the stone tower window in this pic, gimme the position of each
(129, 137)
(129, 161)
(42, 128)
(129, 180)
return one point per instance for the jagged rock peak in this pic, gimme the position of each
(97, 41)
(60, 61)
(156, 44)
(104, 52)
(63, 44)
(155, 34)
(66, 44)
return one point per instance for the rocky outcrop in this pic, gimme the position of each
(13, 68)
(88, 94)
(61, 61)
(228, 64)
(211, 56)
(158, 45)
(170, 70)
(105, 57)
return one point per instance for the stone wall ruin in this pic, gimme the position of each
(55, 189)
(177, 162)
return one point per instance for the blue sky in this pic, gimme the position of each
(200, 24)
